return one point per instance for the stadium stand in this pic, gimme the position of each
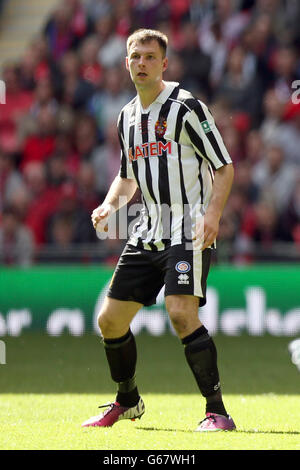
(66, 83)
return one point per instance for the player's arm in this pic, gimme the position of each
(220, 191)
(120, 193)
(207, 142)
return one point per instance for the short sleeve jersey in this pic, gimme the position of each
(171, 149)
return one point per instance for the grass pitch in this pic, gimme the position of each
(50, 385)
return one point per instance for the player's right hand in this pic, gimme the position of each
(100, 217)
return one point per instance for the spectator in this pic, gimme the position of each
(44, 97)
(56, 170)
(260, 225)
(26, 70)
(90, 68)
(40, 145)
(285, 71)
(16, 241)
(260, 45)
(17, 104)
(288, 135)
(76, 91)
(106, 160)
(242, 92)
(175, 71)
(61, 240)
(64, 148)
(284, 17)
(66, 27)
(244, 183)
(254, 147)
(214, 46)
(58, 31)
(62, 232)
(196, 64)
(85, 137)
(230, 223)
(232, 21)
(146, 13)
(43, 200)
(95, 9)
(123, 15)
(10, 179)
(232, 141)
(69, 208)
(46, 66)
(273, 108)
(290, 226)
(80, 23)
(86, 187)
(106, 104)
(275, 178)
(112, 46)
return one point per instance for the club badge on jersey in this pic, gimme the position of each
(160, 127)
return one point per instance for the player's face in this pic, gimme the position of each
(146, 64)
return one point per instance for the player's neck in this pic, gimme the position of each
(148, 95)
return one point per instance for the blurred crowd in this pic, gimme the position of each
(59, 150)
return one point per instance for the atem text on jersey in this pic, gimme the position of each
(149, 149)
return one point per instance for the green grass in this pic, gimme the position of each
(49, 386)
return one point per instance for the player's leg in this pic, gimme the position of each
(135, 283)
(119, 343)
(115, 316)
(185, 291)
(199, 348)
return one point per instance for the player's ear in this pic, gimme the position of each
(126, 63)
(165, 63)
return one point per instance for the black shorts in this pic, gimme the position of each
(140, 274)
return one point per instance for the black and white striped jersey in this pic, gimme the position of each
(171, 149)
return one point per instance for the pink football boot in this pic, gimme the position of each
(215, 422)
(115, 412)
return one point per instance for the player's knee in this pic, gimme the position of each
(183, 314)
(178, 318)
(106, 324)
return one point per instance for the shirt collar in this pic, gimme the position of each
(169, 87)
(164, 94)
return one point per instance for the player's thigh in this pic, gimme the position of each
(183, 313)
(115, 316)
(138, 276)
(187, 272)
(185, 287)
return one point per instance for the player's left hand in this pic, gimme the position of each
(207, 229)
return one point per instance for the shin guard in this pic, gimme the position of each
(201, 355)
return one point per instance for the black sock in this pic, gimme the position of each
(122, 356)
(216, 407)
(201, 355)
(131, 396)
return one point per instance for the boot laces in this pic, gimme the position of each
(109, 406)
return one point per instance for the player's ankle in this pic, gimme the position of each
(128, 399)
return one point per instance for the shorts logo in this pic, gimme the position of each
(183, 267)
(183, 279)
